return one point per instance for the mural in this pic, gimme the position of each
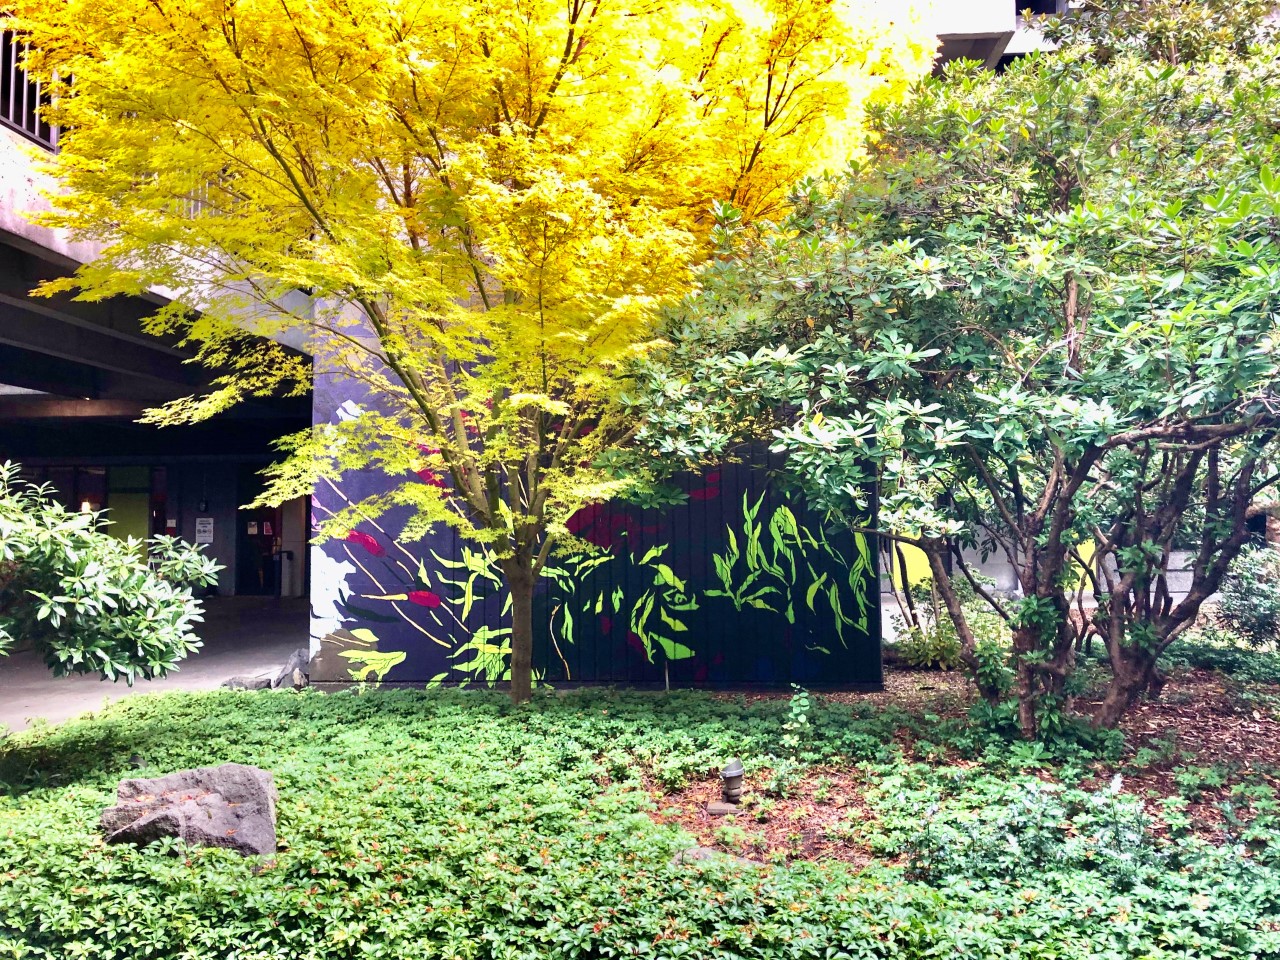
(738, 586)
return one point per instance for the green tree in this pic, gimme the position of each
(1041, 319)
(1169, 31)
(486, 203)
(90, 602)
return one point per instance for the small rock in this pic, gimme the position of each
(718, 808)
(248, 683)
(232, 806)
(294, 671)
(698, 854)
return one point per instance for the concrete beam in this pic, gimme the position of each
(28, 407)
(41, 330)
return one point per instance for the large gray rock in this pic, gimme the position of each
(295, 671)
(232, 805)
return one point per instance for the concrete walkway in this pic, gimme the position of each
(243, 636)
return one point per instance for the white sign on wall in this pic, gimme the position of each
(204, 529)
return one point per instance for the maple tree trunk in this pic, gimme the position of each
(520, 581)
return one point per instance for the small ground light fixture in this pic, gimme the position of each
(731, 781)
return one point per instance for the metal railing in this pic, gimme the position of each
(21, 97)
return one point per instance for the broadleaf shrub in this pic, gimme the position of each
(1250, 604)
(88, 601)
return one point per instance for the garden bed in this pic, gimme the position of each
(451, 820)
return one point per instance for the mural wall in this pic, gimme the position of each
(739, 586)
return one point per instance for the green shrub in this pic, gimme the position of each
(934, 648)
(1027, 827)
(1210, 649)
(92, 603)
(1250, 604)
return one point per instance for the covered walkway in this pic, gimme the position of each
(243, 636)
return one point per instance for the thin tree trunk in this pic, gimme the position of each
(1131, 677)
(520, 581)
(944, 588)
(1025, 641)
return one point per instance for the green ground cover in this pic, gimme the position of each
(453, 825)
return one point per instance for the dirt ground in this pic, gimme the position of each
(1201, 720)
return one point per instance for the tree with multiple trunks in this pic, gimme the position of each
(473, 209)
(1041, 318)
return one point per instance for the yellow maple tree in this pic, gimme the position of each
(474, 209)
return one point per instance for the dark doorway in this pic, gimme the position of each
(257, 540)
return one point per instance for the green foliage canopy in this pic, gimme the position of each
(1041, 319)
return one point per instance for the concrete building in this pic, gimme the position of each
(992, 31)
(75, 377)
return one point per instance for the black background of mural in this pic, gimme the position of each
(579, 635)
(747, 647)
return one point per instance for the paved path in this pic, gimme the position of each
(243, 636)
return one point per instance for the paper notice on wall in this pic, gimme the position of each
(204, 529)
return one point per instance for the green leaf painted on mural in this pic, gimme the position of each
(811, 595)
(666, 577)
(490, 649)
(672, 622)
(833, 594)
(653, 553)
(373, 664)
(364, 635)
(673, 650)
(732, 554)
(639, 622)
(724, 573)
(451, 564)
(566, 631)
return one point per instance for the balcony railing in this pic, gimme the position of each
(21, 97)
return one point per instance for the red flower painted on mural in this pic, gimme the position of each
(597, 525)
(368, 542)
(710, 491)
(424, 598)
